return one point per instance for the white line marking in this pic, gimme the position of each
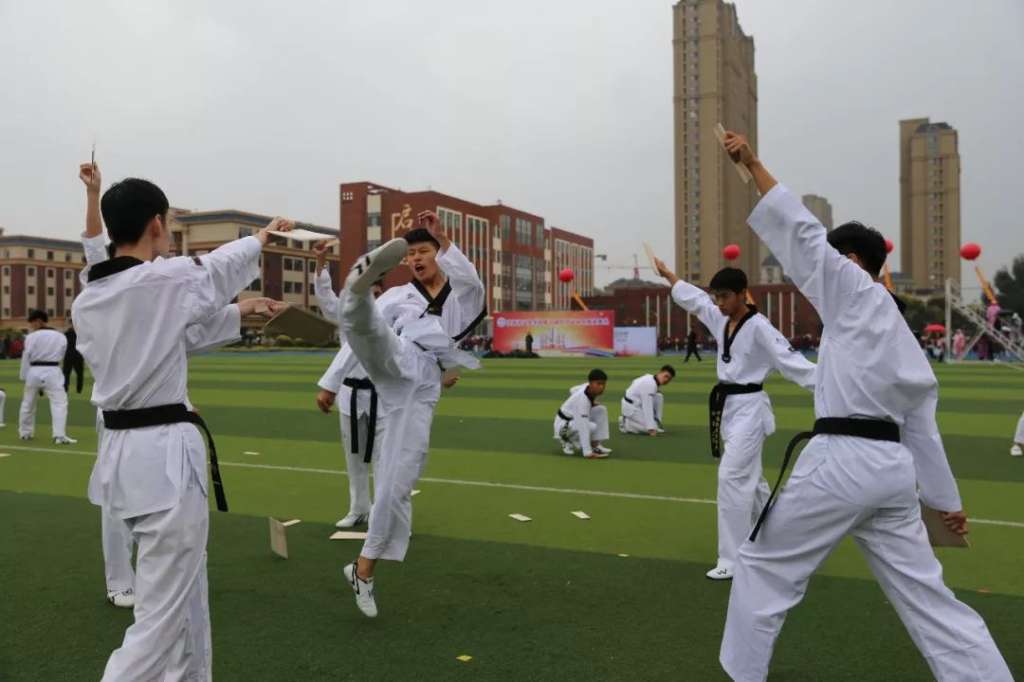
(487, 484)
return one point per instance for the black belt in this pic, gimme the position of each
(121, 420)
(716, 407)
(47, 363)
(872, 429)
(563, 415)
(353, 418)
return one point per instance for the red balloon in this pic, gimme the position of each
(731, 252)
(970, 251)
(889, 246)
(566, 275)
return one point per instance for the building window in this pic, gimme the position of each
(49, 273)
(312, 266)
(67, 257)
(49, 255)
(256, 285)
(30, 271)
(505, 222)
(31, 253)
(31, 290)
(49, 291)
(373, 219)
(286, 287)
(49, 311)
(67, 274)
(7, 270)
(311, 290)
(67, 292)
(286, 263)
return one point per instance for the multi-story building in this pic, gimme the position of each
(714, 82)
(287, 267)
(820, 207)
(929, 203)
(38, 273)
(516, 256)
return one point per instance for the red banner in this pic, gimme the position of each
(556, 332)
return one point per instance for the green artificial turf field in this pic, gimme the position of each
(552, 599)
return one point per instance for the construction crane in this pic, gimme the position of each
(636, 267)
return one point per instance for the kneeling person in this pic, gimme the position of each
(581, 424)
(643, 405)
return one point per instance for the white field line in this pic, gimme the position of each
(481, 484)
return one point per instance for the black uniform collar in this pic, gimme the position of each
(435, 304)
(729, 338)
(112, 267)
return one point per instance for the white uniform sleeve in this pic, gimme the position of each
(95, 252)
(798, 241)
(465, 281)
(220, 329)
(696, 301)
(26, 362)
(337, 371)
(790, 362)
(219, 276)
(325, 296)
(647, 405)
(920, 435)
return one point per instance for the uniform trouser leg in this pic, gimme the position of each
(374, 344)
(397, 467)
(3, 404)
(659, 407)
(58, 398)
(599, 423)
(27, 413)
(117, 552)
(358, 471)
(1019, 436)
(770, 575)
(170, 638)
(951, 636)
(742, 492)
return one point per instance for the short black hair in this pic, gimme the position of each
(867, 242)
(420, 235)
(38, 315)
(729, 279)
(597, 375)
(670, 369)
(129, 205)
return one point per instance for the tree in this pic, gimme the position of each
(1010, 286)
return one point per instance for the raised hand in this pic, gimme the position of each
(429, 220)
(275, 225)
(738, 148)
(665, 272)
(89, 173)
(320, 250)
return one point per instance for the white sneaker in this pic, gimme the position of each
(596, 454)
(3, 426)
(125, 599)
(64, 440)
(602, 450)
(567, 448)
(370, 267)
(1016, 450)
(351, 520)
(720, 573)
(363, 590)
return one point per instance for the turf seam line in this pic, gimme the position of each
(486, 484)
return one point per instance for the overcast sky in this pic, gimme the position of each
(560, 108)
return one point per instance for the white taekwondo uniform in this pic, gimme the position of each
(745, 358)
(40, 370)
(642, 405)
(132, 320)
(580, 421)
(870, 372)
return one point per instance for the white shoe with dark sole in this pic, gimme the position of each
(372, 266)
(1016, 451)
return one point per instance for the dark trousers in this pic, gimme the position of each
(77, 365)
(689, 352)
